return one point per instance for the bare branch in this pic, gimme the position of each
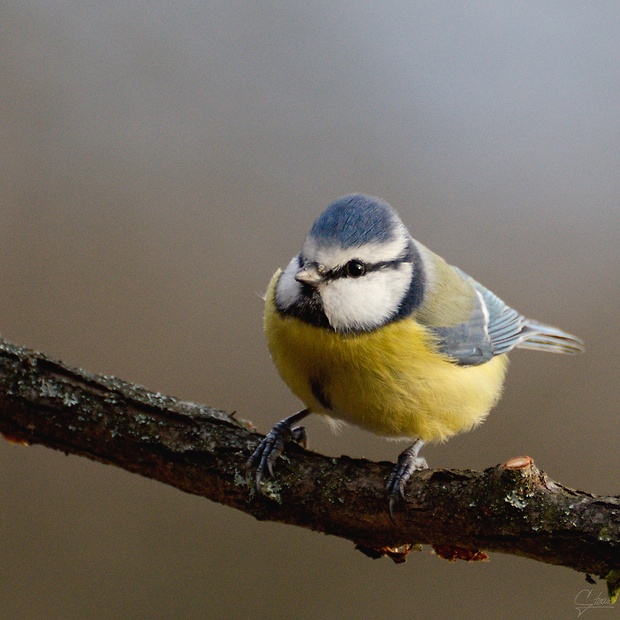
(512, 508)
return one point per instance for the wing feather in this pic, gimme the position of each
(494, 328)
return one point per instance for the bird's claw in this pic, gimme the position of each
(408, 462)
(271, 447)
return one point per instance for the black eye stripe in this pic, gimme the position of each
(343, 271)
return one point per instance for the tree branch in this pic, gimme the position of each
(512, 508)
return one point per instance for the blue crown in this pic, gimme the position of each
(355, 220)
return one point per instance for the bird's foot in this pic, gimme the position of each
(408, 462)
(270, 448)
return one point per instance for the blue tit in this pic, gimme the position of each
(369, 327)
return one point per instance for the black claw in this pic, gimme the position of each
(391, 504)
(408, 462)
(271, 447)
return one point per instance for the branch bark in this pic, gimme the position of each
(511, 508)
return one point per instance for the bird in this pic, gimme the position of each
(369, 327)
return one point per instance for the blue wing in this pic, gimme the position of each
(495, 328)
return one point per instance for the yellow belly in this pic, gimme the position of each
(390, 381)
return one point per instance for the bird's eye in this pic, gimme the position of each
(355, 268)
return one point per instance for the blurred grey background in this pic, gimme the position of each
(159, 160)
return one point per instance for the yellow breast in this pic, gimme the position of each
(391, 381)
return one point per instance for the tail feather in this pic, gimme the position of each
(541, 337)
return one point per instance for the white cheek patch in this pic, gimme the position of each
(288, 290)
(366, 302)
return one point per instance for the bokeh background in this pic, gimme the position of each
(159, 160)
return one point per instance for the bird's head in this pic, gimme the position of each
(356, 268)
